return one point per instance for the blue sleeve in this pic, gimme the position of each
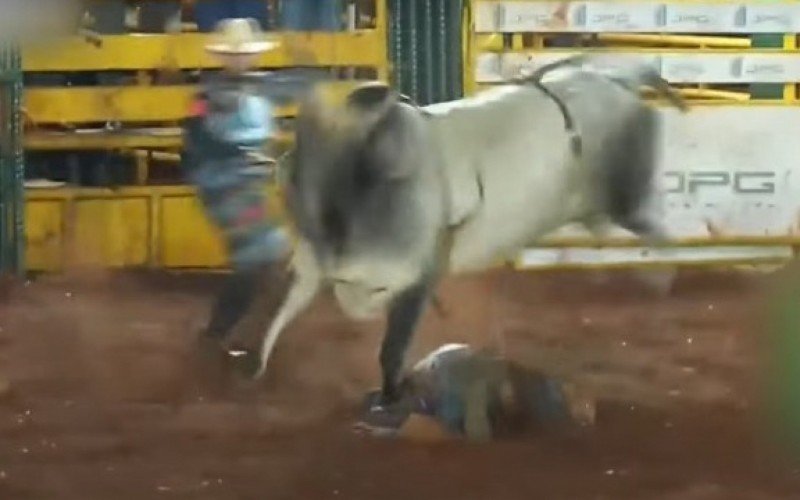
(451, 411)
(256, 114)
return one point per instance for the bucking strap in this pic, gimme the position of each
(535, 79)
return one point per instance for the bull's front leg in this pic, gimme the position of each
(404, 315)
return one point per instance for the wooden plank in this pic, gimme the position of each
(169, 139)
(129, 104)
(186, 51)
(50, 141)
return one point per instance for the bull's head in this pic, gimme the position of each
(363, 191)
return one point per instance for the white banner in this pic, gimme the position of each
(736, 168)
(637, 17)
(675, 67)
(724, 171)
(34, 21)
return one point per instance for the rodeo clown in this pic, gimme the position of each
(225, 135)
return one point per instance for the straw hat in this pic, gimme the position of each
(240, 36)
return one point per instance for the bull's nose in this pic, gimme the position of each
(353, 283)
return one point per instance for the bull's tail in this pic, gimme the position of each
(644, 75)
(649, 77)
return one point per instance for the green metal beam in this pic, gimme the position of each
(425, 48)
(12, 165)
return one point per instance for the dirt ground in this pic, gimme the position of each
(107, 398)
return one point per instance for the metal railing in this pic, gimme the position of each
(728, 50)
(137, 112)
(736, 60)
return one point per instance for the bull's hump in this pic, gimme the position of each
(486, 98)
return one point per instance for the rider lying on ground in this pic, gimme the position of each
(474, 394)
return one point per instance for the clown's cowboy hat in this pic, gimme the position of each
(240, 36)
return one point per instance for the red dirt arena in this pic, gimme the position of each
(104, 397)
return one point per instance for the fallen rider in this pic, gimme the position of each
(462, 392)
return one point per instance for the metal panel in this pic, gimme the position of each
(625, 257)
(700, 68)
(739, 177)
(740, 188)
(702, 17)
(773, 17)
(188, 239)
(535, 16)
(71, 228)
(44, 234)
(539, 16)
(676, 67)
(620, 17)
(127, 227)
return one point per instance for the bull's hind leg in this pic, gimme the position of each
(630, 172)
(404, 316)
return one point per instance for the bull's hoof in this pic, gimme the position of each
(377, 413)
(372, 399)
(247, 363)
(211, 349)
(212, 367)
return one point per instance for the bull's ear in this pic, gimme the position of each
(372, 101)
(320, 114)
(316, 117)
(368, 95)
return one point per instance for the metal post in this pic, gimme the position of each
(426, 54)
(396, 44)
(426, 48)
(6, 195)
(12, 166)
(19, 162)
(442, 53)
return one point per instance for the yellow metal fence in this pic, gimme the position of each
(709, 49)
(147, 225)
(153, 226)
(163, 226)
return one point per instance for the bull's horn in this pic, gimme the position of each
(372, 100)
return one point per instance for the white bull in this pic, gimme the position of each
(387, 196)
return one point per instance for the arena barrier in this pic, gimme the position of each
(146, 224)
(725, 195)
(728, 168)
